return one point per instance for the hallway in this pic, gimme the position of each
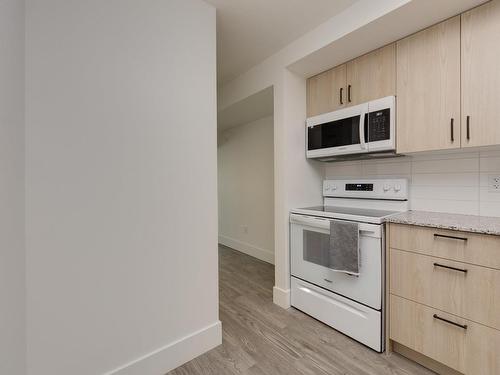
(261, 338)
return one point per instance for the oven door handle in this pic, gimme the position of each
(311, 221)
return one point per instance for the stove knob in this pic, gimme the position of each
(387, 187)
(397, 188)
(334, 187)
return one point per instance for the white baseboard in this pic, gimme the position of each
(256, 252)
(281, 297)
(175, 354)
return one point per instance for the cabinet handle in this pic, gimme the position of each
(451, 126)
(349, 93)
(464, 326)
(451, 237)
(468, 128)
(328, 281)
(450, 268)
(341, 95)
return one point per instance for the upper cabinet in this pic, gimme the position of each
(481, 75)
(428, 89)
(372, 76)
(326, 91)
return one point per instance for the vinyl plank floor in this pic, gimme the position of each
(260, 338)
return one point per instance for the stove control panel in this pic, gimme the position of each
(392, 189)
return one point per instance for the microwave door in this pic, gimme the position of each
(336, 133)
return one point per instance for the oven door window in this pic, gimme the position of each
(337, 133)
(316, 248)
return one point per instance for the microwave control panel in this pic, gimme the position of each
(378, 128)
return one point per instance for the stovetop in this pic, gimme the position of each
(366, 215)
(350, 211)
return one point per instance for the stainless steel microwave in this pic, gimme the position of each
(360, 129)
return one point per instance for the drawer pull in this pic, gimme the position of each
(450, 268)
(328, 281)
(463, 326)
(451, 237)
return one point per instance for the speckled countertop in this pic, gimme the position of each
(465, 223)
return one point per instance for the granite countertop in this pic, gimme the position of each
(465, 223)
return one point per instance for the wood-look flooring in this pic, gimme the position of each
(261, 338)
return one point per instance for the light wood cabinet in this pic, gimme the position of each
(428, 89)
(481, 75)
(457, 288)
(414, 326)
(372, 76)
(444, 298)
(465, 346)
(464, 247)
(326, 92)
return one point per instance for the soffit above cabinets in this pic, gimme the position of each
(410, 17)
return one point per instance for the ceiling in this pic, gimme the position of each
(249, 31)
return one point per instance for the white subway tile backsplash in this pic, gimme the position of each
(489, 208)
(444, 192)
(442, 205)
(446, 155)
(489, 164)
(488, 196)
(344, 170)
(445, 179)
(446, 166)
(382, 168)
(449, 181)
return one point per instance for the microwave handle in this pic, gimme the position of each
(362, 139)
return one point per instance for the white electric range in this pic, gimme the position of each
(354, 305)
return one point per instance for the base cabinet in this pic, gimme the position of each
(444, 298)
(460, 344)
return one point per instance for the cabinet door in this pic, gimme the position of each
(481, 75)
(372, 76)
(326, 91)
(428, 89)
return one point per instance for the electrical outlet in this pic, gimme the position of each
(494, 183)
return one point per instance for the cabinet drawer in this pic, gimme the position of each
(479, 249)
(471, 349)
(473, 294)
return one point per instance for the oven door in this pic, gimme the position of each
(309, 242)
(337, 133)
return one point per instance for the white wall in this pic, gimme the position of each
(12, 268)
(121, 195)
(246, 188)
(454, 182)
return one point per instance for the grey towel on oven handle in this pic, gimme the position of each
(344, 247)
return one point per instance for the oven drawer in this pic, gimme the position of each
(461, 344)
(462, 289)
(357, 321)
(365, 288)
(465, 247)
